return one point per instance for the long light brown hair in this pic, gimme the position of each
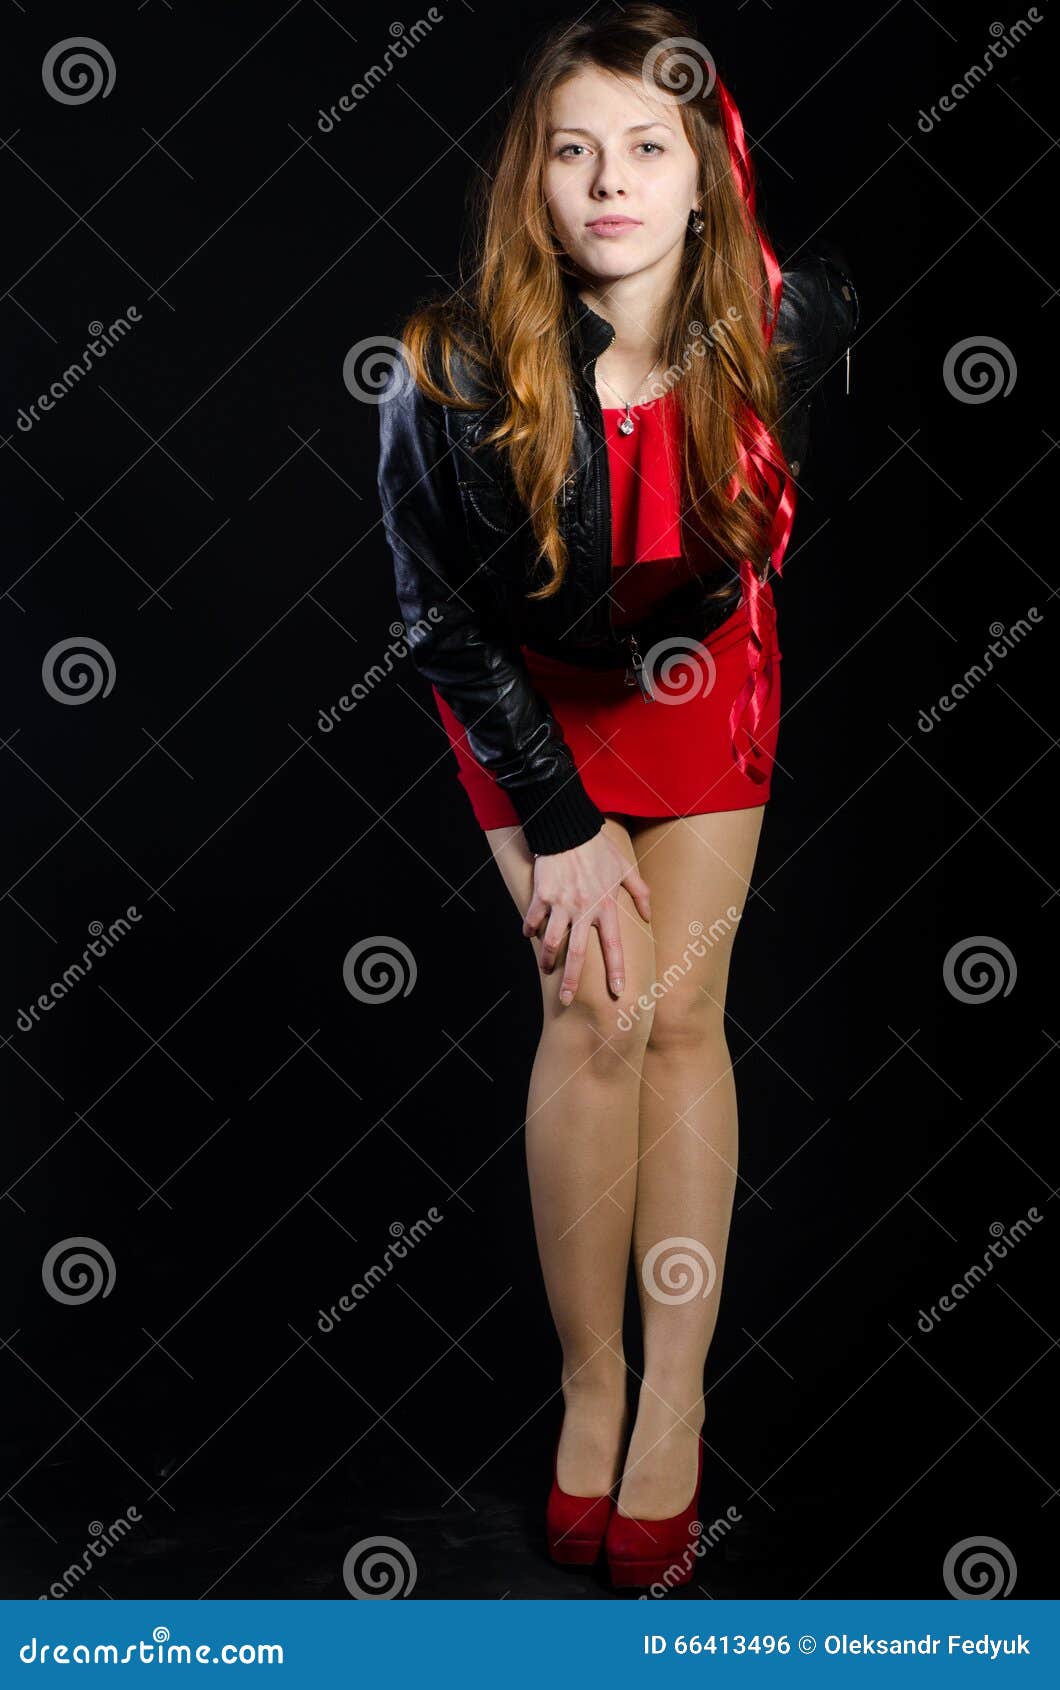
(510, 319)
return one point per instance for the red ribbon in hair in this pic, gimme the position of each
(762, 464)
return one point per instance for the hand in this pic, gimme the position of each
(577, 888)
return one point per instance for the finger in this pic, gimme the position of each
(639, 891)
(534, 916)
(572, 969)
(552, 942)
(611, 941)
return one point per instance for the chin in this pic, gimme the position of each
(601, 271)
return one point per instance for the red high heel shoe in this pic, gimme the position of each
(655, 1551)
(575, 1525)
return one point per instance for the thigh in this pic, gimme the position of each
(699, 870)
(516, 863)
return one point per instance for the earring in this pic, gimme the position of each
(696, 222)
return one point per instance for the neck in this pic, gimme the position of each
(636, 306)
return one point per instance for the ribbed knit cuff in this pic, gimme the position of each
(556, 817)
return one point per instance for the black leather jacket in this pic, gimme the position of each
(462, 551)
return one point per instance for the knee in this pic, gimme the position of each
(608, 1036)
(688, 1021)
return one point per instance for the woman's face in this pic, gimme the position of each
(618, 149)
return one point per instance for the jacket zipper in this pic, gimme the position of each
(636, 674)
(636, 671)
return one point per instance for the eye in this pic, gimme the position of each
(571, 146)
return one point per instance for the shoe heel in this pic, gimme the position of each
(575, 1525)
(574, 1551)
(646, 1552)
(641, 1574)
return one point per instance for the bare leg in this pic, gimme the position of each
(581, 1150)
(698, 868)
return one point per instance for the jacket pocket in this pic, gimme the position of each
(495, 522)
(486, 503)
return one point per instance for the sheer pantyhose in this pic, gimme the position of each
(631, 1143)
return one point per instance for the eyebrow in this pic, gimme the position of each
(564, 129)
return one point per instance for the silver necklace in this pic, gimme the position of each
(626, 425)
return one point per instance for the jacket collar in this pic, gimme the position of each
(589, 331)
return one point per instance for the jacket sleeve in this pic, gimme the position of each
(817, 319)
(454, 632)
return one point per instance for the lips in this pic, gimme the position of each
(612, 228)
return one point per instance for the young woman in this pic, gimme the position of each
(584, 485)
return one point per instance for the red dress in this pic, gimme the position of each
(671, 756)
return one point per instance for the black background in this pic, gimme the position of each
(215, 1107)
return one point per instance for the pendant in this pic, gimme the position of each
(626, 425)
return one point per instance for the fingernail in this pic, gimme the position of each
(619, 983)
(565, 997)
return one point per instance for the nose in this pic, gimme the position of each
(608, 179)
